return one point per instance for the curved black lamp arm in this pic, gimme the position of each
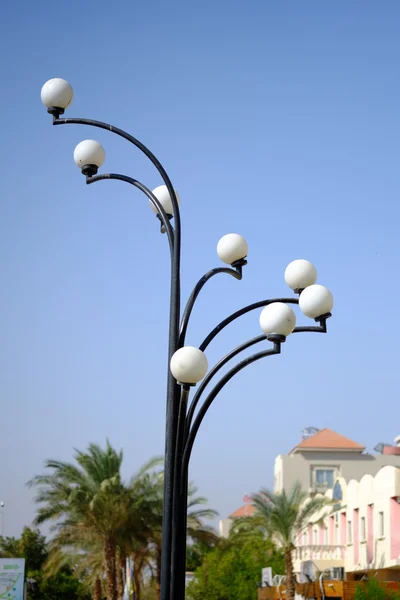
(153, 199)
(180, 432)
(182, 460)
(238, 314)
(236, 272)
(276, 349)
(260, 338)
(321, 328)
(213, 372)
(173, 388)
(140, 146)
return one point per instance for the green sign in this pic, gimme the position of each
(12, 578)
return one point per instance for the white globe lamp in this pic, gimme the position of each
(56, 94)
(189, 365)
(232, 248)
(277, 319)
(163, 196)
(89, 155)
(299, 274)
(316, 301)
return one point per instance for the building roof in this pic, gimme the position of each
(244, 511)
(327, 440)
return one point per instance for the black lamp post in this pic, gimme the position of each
(188, 365)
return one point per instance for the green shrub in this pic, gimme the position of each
(372, 589)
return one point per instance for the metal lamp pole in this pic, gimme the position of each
(187, 366)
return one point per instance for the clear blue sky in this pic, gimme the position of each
(276, 120)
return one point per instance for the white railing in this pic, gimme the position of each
(318, 552)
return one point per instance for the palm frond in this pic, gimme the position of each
(284, 516)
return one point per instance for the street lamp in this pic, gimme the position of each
(2, 517)
(188, 365)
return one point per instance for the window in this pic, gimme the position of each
(324, 478)
(381, 524)
(315, 537)
(305, 538)
(337, 535)
(349, 533)
(363, 533)
(326, 540)
(337, 492)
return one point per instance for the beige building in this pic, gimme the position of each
(247, 510)
(363, 533)
(323, 456)
(320, 459)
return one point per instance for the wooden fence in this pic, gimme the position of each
(332, 589)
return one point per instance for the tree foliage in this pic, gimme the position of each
(32, 546)
(196, 553)
(283, 517)
(372, 589)
(99, 520)
(61, 586)
(233, 568)
(286, 515)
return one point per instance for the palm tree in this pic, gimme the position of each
(283, 517)
(151, 485)
(87, 499)
(100, 521)
(82, 552)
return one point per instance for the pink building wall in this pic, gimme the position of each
(391, 450)
(332, 531)
(368, 499)
(370, 533)
(356, 537)
(343, 532)
(321, 535)
(394, 528)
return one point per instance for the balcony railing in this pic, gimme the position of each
(319, 488)
(318, 552)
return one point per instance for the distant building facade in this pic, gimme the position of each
(363, 533)
(247, 510)
(363, 530)
(324, 455)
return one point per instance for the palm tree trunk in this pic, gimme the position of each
(290, 578)
(137, 584)
(139, 561)
(120, 580)
(109, 559)
(158, 573)
(97, 591)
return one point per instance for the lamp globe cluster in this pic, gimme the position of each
(188, 365)
(315, 300)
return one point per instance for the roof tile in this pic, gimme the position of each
(326, 439)
(244, 511)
